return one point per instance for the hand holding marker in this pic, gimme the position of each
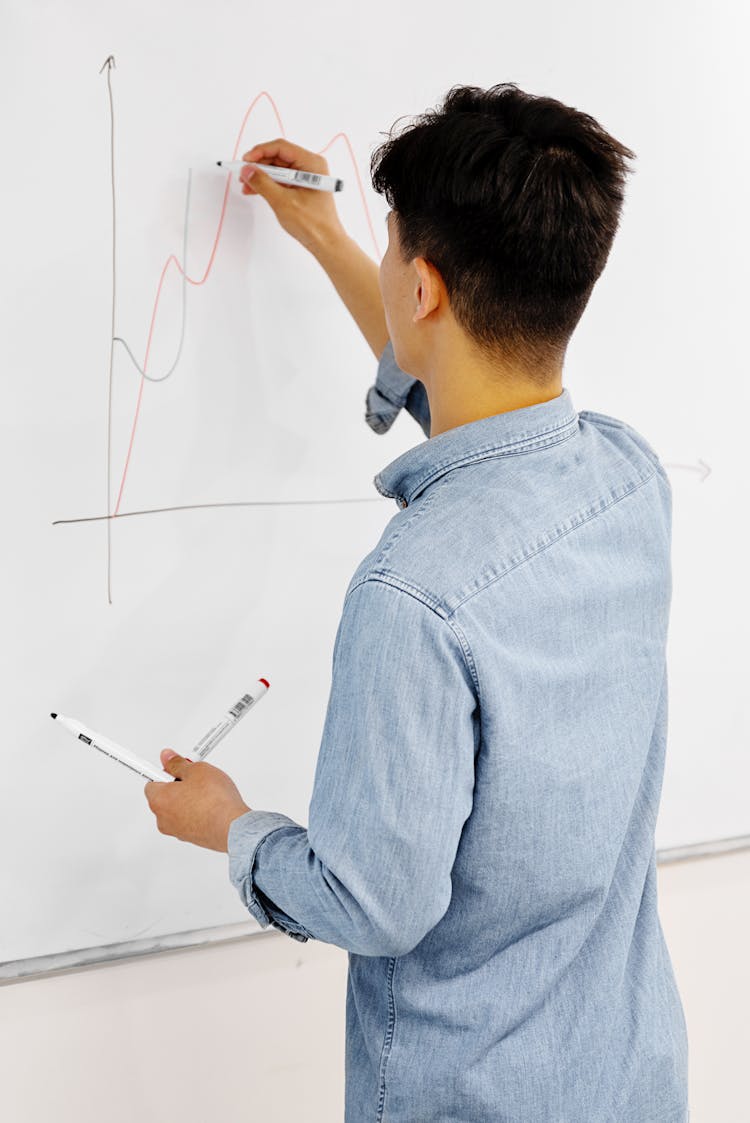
(142, 767)
(310, 217)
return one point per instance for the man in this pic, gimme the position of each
(481, 829)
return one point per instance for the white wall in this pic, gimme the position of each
(255, 1030)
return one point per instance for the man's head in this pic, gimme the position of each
(504, 207)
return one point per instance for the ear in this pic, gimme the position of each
(427, 291)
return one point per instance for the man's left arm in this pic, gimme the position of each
(393, 787)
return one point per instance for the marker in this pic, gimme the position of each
(230, 719)
(292, 176)
(110, 749)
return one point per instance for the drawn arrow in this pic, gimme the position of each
(701, 467)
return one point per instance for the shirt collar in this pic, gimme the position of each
(501, 434)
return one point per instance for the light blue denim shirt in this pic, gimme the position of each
(481, 827)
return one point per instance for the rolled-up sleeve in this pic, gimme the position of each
(393, 787)
(393, 391)
(247, 836)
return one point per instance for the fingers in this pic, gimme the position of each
(174, 764)
(287, 155)
(257, 182)
(303, 213)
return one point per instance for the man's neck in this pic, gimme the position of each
(460, 391)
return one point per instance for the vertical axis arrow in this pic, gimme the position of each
(109, 62)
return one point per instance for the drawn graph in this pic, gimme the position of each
(175, 265)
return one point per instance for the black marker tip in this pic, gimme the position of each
(53, 715)
(218, 163)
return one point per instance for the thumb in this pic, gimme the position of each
(263, 184)
(174, 764)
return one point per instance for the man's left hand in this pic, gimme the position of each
(200, 806)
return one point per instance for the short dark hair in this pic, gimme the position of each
(515, 199)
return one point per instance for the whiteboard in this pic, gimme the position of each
(266, 405)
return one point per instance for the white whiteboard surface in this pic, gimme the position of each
(267, 403)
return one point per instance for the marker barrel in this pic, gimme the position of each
(294, 177)
(116, 752)
(228, 721)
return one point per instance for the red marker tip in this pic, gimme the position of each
(264, 681)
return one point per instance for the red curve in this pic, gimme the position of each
(209, 266)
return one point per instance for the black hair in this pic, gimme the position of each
(515, 199)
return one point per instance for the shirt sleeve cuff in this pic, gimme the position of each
(247, 834)
(393, 390)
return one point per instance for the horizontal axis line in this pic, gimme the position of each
(203, 506)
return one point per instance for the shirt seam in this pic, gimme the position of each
(388, 577)
(424, 599)
(432, 603)
(388, 1038)
(407, 521)
(545, 545)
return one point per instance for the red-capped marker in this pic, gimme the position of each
(230, 719)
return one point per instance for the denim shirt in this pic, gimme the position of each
(481, 827)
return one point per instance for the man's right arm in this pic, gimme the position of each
(312, 219)
(355, 277)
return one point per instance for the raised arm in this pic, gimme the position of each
(312, 218)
